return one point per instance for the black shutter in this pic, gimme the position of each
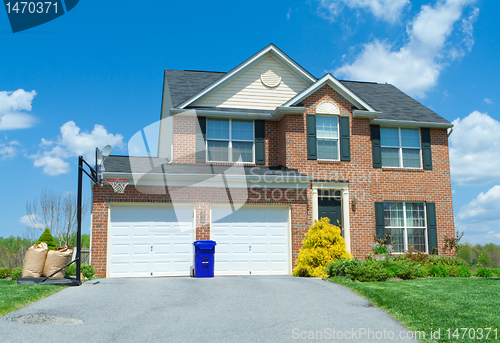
(345, 139)
(312, 148)
(201, 135)
(376, 150)
(379, 220)
(260, 142)
(426, 148)
(432, 228)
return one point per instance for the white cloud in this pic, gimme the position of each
(415, 66)
(475, 149)
(486, 206)
(488, 101)
(480, 219)
(73, 143)
(387, 10)
(25, 220)
(12, 105)
(8, 149)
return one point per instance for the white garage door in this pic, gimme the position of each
(251, 241)
(150, 241)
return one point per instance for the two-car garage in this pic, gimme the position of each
(156, 240)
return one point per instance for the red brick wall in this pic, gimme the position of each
(184, 130)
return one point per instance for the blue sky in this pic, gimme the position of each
(94, 77)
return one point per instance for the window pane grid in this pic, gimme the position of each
(327, 137)
(230, 140)
(400, 147)
(327, 149)
(407, 225)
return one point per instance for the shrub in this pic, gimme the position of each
(422, 271)
(416, 257)
(47, 238)
(484, 272)
(445, 261)
(5, 272)
(380, 249)
(86, 269)
(401, 268)
(368, 271)
(437, 271)
(408, 271)
(16, 273)
(464, 271)
(496, 272)
(322, 245)
(339, 267)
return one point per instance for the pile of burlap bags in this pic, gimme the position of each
(40, 262)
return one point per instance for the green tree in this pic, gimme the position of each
(465, 253)
(12, 251)
(47, 238)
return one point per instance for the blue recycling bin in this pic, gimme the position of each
(204, 258)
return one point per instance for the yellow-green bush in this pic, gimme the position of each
(322, 245)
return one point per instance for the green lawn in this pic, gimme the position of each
(439, 303)
(14, 296)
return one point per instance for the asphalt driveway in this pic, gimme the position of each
(222, 309)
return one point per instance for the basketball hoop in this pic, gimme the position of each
(118, 185)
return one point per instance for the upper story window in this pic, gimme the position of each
(407, 224)
(400, 147)
(327, 136)
(229, 140)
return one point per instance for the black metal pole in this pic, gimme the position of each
(79, 219)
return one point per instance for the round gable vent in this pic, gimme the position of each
(327, 107)
(270, 77)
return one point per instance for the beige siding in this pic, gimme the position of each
(247, 91)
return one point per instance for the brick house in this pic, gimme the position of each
(250, 158)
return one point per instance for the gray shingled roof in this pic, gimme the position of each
(122, 164)
(394, 104)
(385, 98)
(184, 84)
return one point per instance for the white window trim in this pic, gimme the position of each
(400, 148)
(406, 227)
(230, 140)
(328, 138)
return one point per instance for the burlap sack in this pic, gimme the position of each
(34, 260)
(57, 259)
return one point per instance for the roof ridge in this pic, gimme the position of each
(371, 82)
(198, 71)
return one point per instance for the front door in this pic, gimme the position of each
(331, 208)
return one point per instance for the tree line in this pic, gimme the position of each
(13, 249)
(488, 254)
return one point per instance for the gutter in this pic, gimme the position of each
(403, 123)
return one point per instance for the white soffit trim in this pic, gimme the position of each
(411, 123)
(366, 114)
(335, 84)
(286, 61)
(276, 115)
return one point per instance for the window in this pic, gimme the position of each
(229, 140)
(406, 222)
(400, 147)
(327, 135)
